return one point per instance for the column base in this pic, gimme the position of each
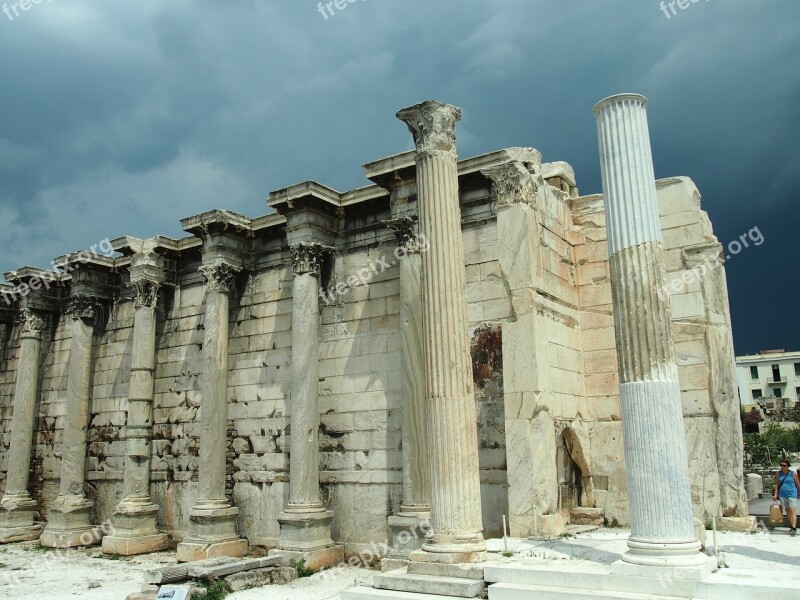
(451, 550)
(408, 533)
(69, 524)
(678, 555)
(18, 519)
(134, 530)
(212, 533)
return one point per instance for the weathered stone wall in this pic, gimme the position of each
(544, 365)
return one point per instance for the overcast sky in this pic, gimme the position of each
(124, 117)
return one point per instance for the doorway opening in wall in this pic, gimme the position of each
(570, 478)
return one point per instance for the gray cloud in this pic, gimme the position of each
(122, 117)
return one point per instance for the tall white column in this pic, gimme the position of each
(452, 430)
(411, 521)
(70, 516)
(662, 526)
(17, 508)
(134, 520)
(212, 520)
(306, 523)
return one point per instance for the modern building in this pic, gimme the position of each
(769, 379)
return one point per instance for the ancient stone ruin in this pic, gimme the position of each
(354, 366)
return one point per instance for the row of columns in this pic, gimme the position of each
(441, 473)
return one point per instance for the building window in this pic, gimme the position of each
(757, 395)
(777, 392)
(797, 369)
(754, 373)
(797, 391)
(776, 372)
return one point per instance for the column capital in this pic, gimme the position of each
(85, 307)
(405, 230)
(513, 183)
(219, 276)
(145, 292)
(307, 258)
(433, 125)
(30, 321)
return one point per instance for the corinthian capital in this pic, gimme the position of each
(85, 307)
(30, 321)
(219, 276)
(145, 292)
(307, 258)
(513, 183)
(433, 125)
(405, 231)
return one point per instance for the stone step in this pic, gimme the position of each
(367, 593)
(451, 587)
(580, 579)
(513, 591)
(458, 570)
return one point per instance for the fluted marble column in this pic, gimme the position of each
(452, 431)
(212, 520)
(17, 508)
(410, 523)
(662, 526)
(305, 523)
(135, 529)
(70, 516)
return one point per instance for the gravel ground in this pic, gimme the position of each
(27, 572)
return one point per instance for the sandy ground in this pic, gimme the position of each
(28, 572)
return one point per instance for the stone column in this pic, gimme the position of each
(662, 526)
(17, 508)
(452, 430)
(305, 523)
(409, 525)
(212, 524)
(69, 521)
(135, 529)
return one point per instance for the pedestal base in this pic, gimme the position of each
(69, 524)
(703, 567)
(212, 533)
(137, 544)
(448, 558)
(305, 531)
(190, 551)
(134, 530)
(408, 534)
(18, 520)
(315, 560)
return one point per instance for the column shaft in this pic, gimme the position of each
(662, 526)
(17, 508)
(213, 414)
(416, 461)
(23, 419)
(452, 429)
(76, 419)
(304, 465)
(140, 405)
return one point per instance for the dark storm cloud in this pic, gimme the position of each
(123, 117)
